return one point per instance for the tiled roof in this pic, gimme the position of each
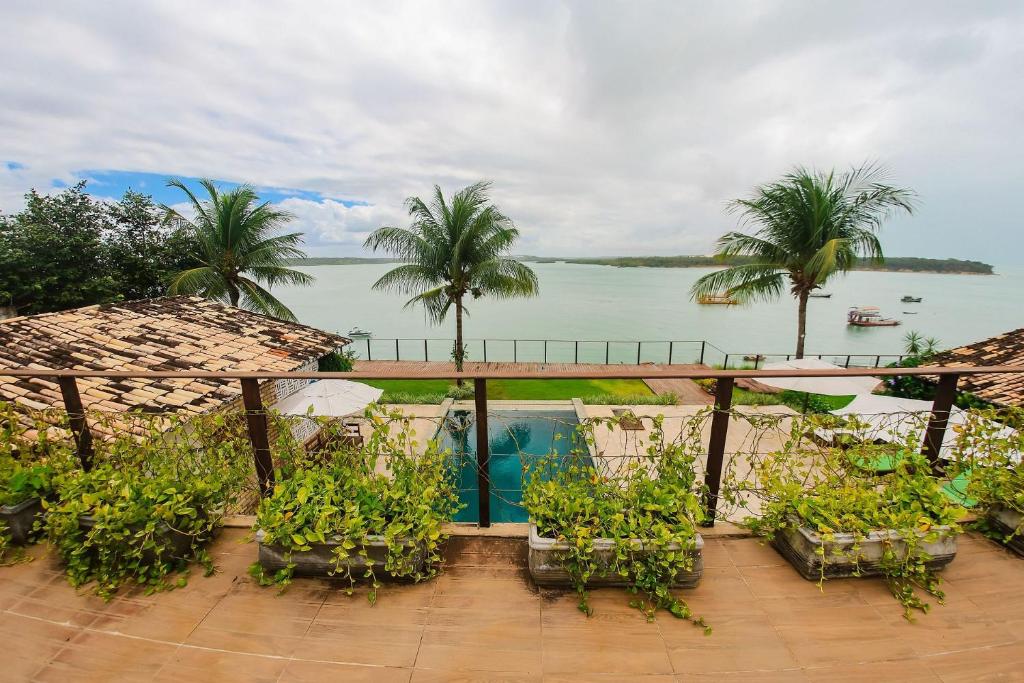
(168, 333)
(1004, 349)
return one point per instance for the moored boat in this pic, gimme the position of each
(868, 316)
(720, 299)
(907, 299)
(821, 295)
(356, 332)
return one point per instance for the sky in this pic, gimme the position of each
(607, 128)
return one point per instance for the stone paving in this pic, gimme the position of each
(483, 620)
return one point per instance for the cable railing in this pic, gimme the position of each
(592, 352)
(257, 414)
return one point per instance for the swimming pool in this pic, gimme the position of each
(516, 438)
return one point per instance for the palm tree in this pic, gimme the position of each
(239, 249)
(811, 225)
(453, 248)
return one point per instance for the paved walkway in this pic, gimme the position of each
(484, 620)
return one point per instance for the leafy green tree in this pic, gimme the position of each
(454, 248)
(52, 254)
(811, 225)
(239, 249)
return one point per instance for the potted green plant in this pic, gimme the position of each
(986, 463)
(29, 457)
(149, 505)
(358, 512)
(832, 517)
(629, 521)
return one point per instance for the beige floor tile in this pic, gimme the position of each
(101, 657)
(320, 672)
(751, 552)
(197, 665)
(914, 671)
(1004, 663)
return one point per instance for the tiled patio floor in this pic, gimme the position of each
(483, 620)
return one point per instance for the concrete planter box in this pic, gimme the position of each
(180, 543)
(801, 546)
(319, 560)
(21, 518)
(546, 567)
(1008, 521)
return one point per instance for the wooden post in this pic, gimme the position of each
(936, 432)
(483, 453)
(76, 420)
(256, 421)
(716, 448)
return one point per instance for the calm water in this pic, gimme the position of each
(516, 438)
(602, 302)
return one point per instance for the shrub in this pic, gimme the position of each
(337, 362)
(149, 505)
(831, 491)
(652, 498)
(668, 399)
(346, 499)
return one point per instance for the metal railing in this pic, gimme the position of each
(257, 424)
(592, 351)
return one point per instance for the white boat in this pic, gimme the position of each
(356, 332)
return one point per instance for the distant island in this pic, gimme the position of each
(892, 263)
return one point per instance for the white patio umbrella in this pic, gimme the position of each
(331, 397)
(830, 386)
(894, 419)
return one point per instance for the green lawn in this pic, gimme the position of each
(521, 389)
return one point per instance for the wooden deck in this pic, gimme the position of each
(483, 620)
(686, 389)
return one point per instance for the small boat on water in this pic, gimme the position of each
(821, 295)
(719, 299)
(356, 332)
(868, 316)
(754, 358)
(907, 299)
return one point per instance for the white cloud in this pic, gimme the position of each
(606, 127)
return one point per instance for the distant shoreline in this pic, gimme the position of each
(894, 264)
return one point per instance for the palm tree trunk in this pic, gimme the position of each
(233, 293)
(460, 351)
(801, 324)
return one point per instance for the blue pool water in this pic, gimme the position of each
(516, 437)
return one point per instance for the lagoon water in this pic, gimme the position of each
(606, 303)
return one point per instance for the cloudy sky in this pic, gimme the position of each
(607, 128)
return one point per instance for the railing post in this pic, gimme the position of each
(936, 432)
(757, 359)
(76, 420)
(368, 357)
(725, 363)
(703, 343)
(577, 357)
(670, 345)
(485, 350)
(426, 352)
(483, 453)
(515, 351)
(878, 359)
(256, 421)
(716, 448)
(545, 351)
(607, 346)
(638, 352)
(396, 350)
(847, 361)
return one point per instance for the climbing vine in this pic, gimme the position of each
(645, 502)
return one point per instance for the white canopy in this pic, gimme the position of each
(894, 419)
(830, 386)
(332, 397)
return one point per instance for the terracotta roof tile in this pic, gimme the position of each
(169, 333)
(1003, 349)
